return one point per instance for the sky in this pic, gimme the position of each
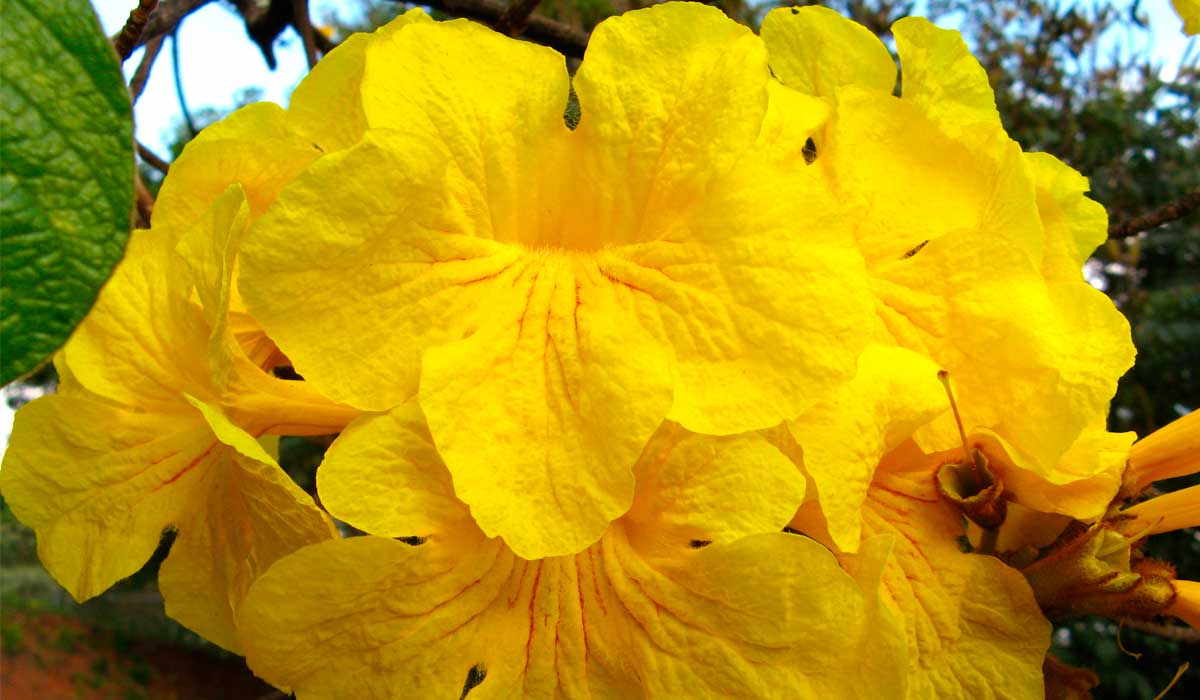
(218, 61)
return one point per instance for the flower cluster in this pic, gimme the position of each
(644, 406)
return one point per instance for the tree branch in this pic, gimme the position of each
(1178, 209)
(562, 37)
(126, 39)
(1176, 633)
(138, 82)
(151, 158)
(516, 16)
(303, 24)
(166, 17)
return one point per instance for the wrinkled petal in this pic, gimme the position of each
(844, 437)
(974, 628)
(670, 98)
(376, 618)
(255, 147)
(941, 76)
(453, 264)
(127, 349)
(816, 51)
(1084, 482)
(565, 376)
(699, 490)
(1074, 225)
(326, 107)
(373, 478)
(243, 516)
(494, 105)
(99, 483)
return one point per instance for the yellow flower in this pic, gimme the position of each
(693, 593)
(972, 625)
(550, 296)
(152, 429)
(973, 248)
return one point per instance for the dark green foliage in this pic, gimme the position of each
(66, 174)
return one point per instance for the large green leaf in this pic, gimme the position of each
(66, 174)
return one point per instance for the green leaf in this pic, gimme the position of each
(66, 174)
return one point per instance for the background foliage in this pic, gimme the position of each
(1066, 82)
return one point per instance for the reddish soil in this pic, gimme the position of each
(46, 656)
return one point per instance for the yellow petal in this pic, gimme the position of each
(1036, 363)
(1172, 450)
(697, 490)
(384, 476)
(1083, 483)
(567, 388)
(974, 629)
(255, 147)
(751, 286)
(326, 106)
(494, 104)
(243, 515)
(388, 270)
(371, 618)
(815, 50)
(1186, 605)
(127, 349)
(1074, 225)
(1171, 511)
(253, 398)
(1189, 12)
(942, 77)
(844, 437)
(99, 483)
(670, 98)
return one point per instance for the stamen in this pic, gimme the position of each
(1135, 655)
(1183, 667)
(944, 378)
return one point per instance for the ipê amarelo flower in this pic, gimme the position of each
(694, 592)
(551, 295)
(154, 427)
(973, 248)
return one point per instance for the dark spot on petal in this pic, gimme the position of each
(964, 544)
(915, 249)
(809, 152)
(792, 531)
(413, 541)
(699, 544)
(475, 676)
(318, 147)
(795, 11)
(286, 372)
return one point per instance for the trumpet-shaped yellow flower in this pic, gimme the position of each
(549, 295)
(973, 248)
(152, 429)
(692, 593)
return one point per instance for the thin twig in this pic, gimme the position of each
(128, 37)
(187, 115)
(303, 24)
(151, 158)
(516, 16)
(168, 15)
(563, 37)
(144, 201)
(1175, 210)
(1176, 633)
(138, 82)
